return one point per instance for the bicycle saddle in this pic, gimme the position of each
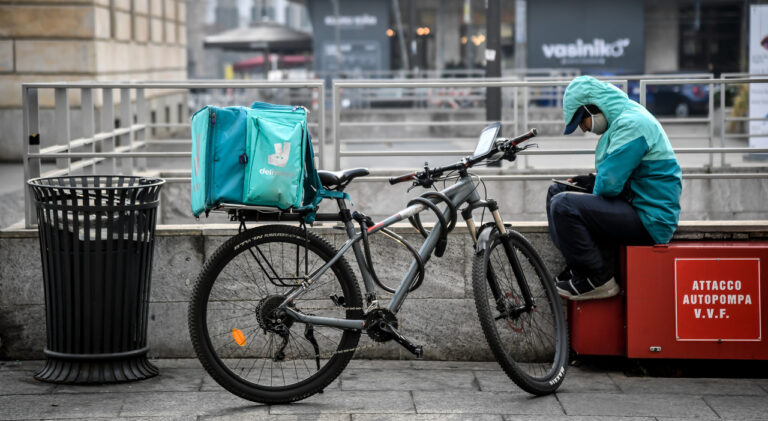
(340, 178)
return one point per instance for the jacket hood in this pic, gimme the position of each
(585, 90)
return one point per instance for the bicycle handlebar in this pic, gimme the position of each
(522, 138)
(505, 145)
(404, 177)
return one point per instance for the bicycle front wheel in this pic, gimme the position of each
(245, 342)
(530, 342)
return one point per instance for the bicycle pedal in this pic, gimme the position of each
(416, 350)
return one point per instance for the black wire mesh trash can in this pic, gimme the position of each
(96, 243)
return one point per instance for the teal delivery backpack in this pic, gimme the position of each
(258, 156)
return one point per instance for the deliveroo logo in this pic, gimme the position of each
(280, 157)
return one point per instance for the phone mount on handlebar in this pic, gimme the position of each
(487, 139)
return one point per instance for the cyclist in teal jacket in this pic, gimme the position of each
(635, 195)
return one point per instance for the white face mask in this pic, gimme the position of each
(599, 123)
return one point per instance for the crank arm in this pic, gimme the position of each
(416, 350)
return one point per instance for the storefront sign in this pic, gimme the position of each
(758, 65)
(717, 299)
(600, 36)
(361, 28)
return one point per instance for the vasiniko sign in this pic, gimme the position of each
(597, 36)
(580, 52)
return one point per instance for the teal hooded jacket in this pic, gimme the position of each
(634, 153)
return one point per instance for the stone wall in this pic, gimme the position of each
(723, 199)
(440, 315)
(102, 40)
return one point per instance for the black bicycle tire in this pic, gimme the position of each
(555, 376)
(202, 343)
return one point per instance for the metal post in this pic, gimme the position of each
(412, 35)
(440, 28)
(61, 134)
(493, 62)
(722, 122)
(526, 96)
(126, 120)
(336, 135)
(323, 135)
(401, 35)
(337, 35)
(493, 58)
(710, 118)
(516, 115)
(141, 120)
(31, 140)
(89, 123)
(468, 32)
(642, 93)
(521, 59)
(108, 125)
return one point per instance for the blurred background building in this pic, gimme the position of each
(382, 37)
(303, 39)
(87, 40)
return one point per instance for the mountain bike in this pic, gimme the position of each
(276, 313)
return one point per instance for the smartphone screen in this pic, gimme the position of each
(571, 185)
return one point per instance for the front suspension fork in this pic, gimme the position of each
(507, 310)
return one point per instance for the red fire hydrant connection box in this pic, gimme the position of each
(684, 300)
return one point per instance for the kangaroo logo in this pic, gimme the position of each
(280, 157)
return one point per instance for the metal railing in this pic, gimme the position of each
(520, 101)
(103, 148)
(517, 102)
(128, 144)
(552, 73)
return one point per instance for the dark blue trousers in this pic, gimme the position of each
(588, 229)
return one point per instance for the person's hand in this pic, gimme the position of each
(586, 181)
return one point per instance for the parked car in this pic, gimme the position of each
(677, 100)
(662, 100)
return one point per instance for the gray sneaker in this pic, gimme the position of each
(580, 288)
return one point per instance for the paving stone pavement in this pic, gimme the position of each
(373, 390)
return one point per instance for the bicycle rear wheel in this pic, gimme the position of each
(530, 345)
(244, 343)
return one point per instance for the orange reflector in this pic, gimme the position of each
(237, 334)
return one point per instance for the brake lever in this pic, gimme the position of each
(423, 179)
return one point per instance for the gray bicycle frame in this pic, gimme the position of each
(464, 191)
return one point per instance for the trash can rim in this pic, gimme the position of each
(153, 181)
